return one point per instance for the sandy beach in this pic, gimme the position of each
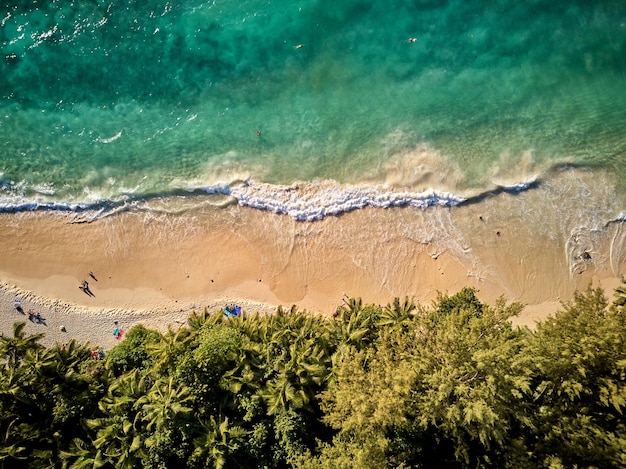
(156, 267)
(271, 153)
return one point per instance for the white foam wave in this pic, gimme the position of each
(318, 200)
(25, 204)
(517, 186)
(620, 218)
(302, 201)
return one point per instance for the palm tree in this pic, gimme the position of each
(280, 394)
(250, 370)
(196, 321)
(123, 393)
(217, 442)
(355, 323)
(620, 295)
(81, 455)
(397, 314)
(31, 425)
(13, 349)
(284, 365)
(164, 403)
(119, 435)
(117, 442)
(297, 376)
(165, 352)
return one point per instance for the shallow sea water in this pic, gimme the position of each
(106, 102)
(509, 113)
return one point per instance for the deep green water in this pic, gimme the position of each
(105, 100)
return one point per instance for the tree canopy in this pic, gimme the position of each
(452, 384)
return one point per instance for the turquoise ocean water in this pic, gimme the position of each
(306, 107)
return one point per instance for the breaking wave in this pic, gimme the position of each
(302, 202)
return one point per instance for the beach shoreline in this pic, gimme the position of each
(287, 154)
(64, 321)
(157, 268)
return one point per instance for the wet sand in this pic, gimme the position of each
(155, 268)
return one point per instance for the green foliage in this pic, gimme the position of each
(169, 447)
(346, 451)
(289, 428)
(211, 352)
(464, 301)
(366, 400)
(163, 404)
(132, 352)
(43, 397)
(370, 387)
(580, 385)
(398, 314)
(216, 443)
(470, 380)
(620, 295)
(356, 324)
(217, 346)
(165, 352)
(165, 413)
(451, 385)
(136, 416)
(117, 434)
(13, 349)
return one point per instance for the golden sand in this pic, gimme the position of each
(157, 268)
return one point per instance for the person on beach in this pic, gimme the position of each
(345, 300)
(118, 332)
(85, 287)
(231, 310)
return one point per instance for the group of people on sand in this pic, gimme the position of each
(85, 285)
(32, 316)
(97, 354)
(36, 317)
(232, 310)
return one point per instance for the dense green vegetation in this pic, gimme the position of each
(450, 385)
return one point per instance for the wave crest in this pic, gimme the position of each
(308, 201)
(315, 201)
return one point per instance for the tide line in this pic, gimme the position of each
(305, 202)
